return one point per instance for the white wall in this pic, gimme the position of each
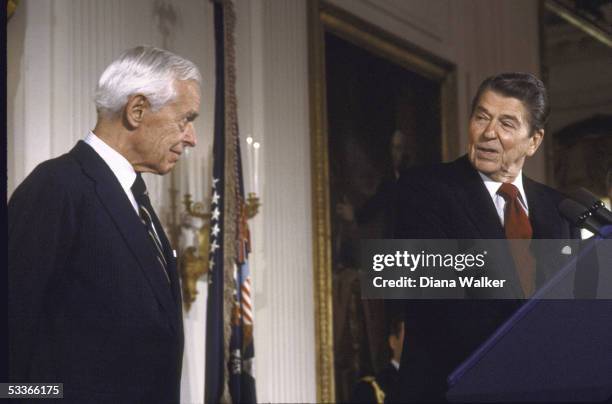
(57, 49)
(273, 97)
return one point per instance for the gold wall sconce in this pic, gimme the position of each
(194, 260)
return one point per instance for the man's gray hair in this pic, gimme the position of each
(144, 70)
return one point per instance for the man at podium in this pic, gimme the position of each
(482, 195)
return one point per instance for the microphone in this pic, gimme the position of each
(593, 204)
(579, 216)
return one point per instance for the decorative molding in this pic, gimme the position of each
(579, 21)
(427, 23)
(322, 261)
(375, 40)
(400, 11)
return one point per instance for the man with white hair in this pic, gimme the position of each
(94, 296)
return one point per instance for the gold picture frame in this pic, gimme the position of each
(324, 17)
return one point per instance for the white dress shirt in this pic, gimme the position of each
(122, 169)
(118, 164)
(498, 200)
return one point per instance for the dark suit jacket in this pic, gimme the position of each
(89, 305)
(451, 201)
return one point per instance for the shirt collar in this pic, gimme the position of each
(493, 186)
(118, 164)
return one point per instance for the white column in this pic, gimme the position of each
(284, 332)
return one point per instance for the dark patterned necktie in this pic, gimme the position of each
(518, 232)
(139, 189)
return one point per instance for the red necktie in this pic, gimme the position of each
(518, 232)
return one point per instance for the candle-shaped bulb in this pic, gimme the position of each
(249, 140)
(256, 168)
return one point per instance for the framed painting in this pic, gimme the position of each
(378, 105)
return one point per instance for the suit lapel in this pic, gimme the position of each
(476, 200)
(546, 224)
(113, 198)
(544, 220)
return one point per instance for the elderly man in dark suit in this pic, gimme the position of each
(482, 195)
(94, 297)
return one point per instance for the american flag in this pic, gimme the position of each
(215, 363)
(242, 348)
(229, 237)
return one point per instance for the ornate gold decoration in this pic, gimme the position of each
(325, 17)
(252, 205)
(322, 261)
(378, 392)
(194, 259)
(11, 6)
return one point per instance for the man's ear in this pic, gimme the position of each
(135, 109)
(535, 141)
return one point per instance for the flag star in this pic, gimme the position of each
(216, 213)
(214, 184)
(215, 230)
(214, 246)
(211, 264)
(215, 198)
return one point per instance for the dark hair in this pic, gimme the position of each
(526, 88)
